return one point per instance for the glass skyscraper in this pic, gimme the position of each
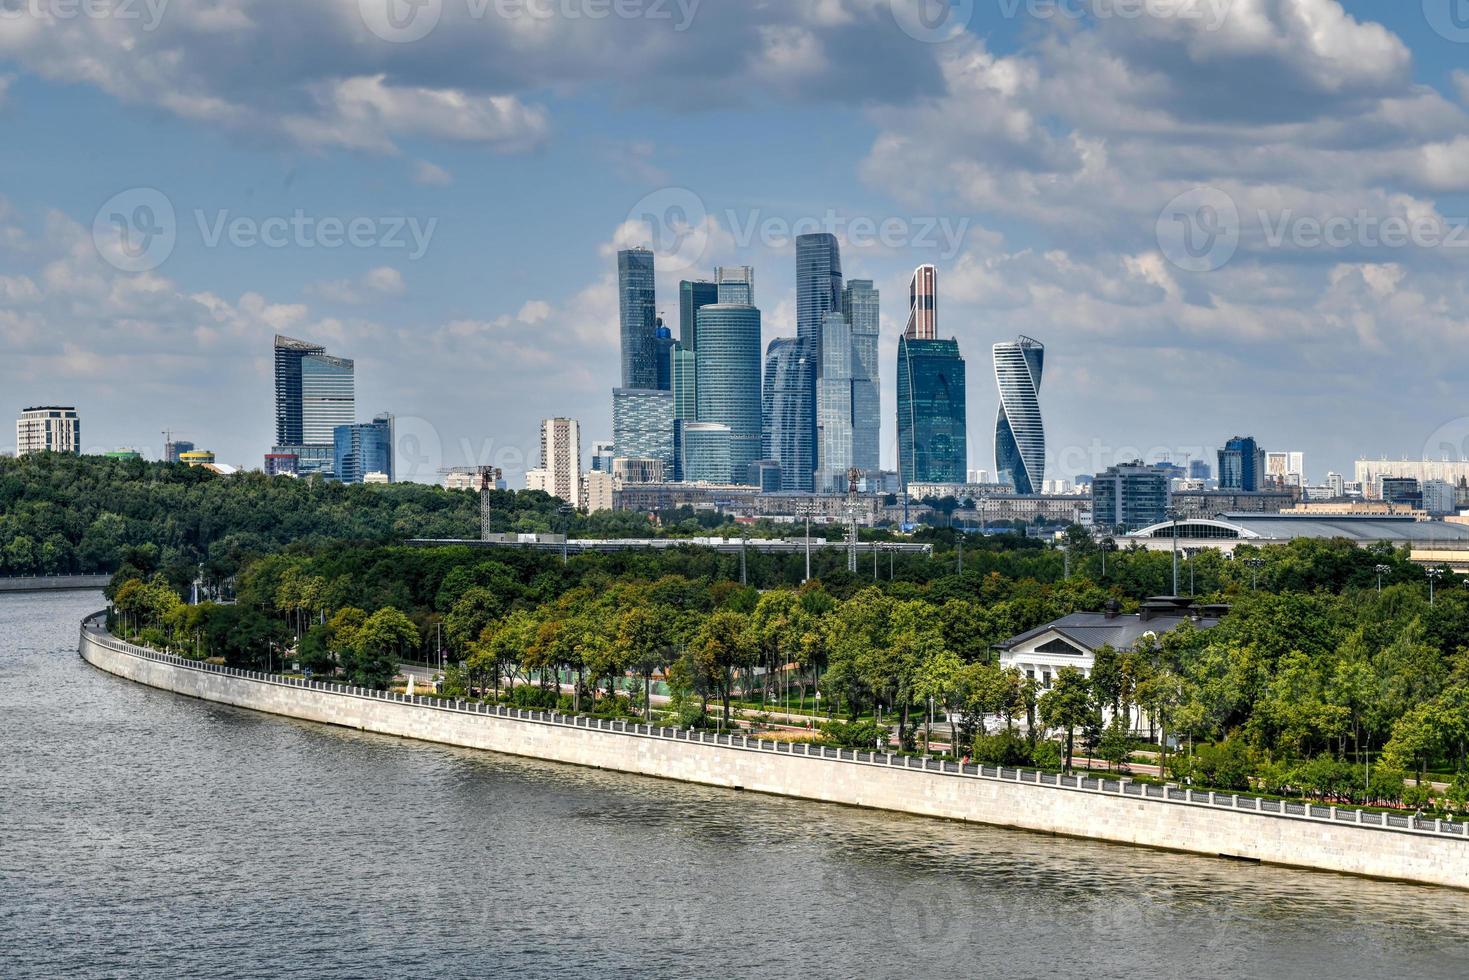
(1020, 434)
(932, 429)
(363, 448)
(860, 306)
(834, 405)
(703, 452)
(789, 429)
(314, 393)
(684, 369)
(639, 318)
(289, 353)
(642, 424)
(727, 364)
(691, 296)
(1241, 465)
(734, 285)
(663, 346)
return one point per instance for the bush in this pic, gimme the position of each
(1228, 765)
(1004, 748)
(534, 697)
(854, 734)
(1046, 755)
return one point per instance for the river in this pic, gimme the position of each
(148, 834)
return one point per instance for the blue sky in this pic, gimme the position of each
(1071, 144)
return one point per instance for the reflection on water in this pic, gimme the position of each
(153, 834)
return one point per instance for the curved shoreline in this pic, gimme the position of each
(1210, 824)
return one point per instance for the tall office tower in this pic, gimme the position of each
(685, 374)
(314, 393)
(789, 422)
(173, 448)
(834, 405)
(602, 456)
(691, 296)
(48, 429)
(1198, 469)
(818, 284)
(639, 317)
(703, 452)
(363, 448)
(561, 459)
(1129, 496)
(734, 285)
(932, 426)
(923, 320)
(642, 424)
(663, 345)
(860, 307)
(1020, 435)
(728, 367)
(1241, 465)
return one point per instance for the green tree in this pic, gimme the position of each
(1067, 706)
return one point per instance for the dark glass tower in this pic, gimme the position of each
(639, 318)
(663, 347)
(1241, 465)
(932, 428)
(818, 285)
(692, 296)
(1020, 433)
(727, 364)
(289, 353)
(789, 430)
(860, 306)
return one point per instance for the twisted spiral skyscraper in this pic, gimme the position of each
(1020, 435)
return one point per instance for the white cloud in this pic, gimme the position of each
(431, 175)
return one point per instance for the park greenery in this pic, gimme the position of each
(1316, 684)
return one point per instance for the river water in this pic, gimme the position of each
(147, 834)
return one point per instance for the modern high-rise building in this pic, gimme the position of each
(314, 393)
(1241, 465)
(932, 421)
(1130, 496)
(685, 372)
(642, 424)
(1286, 469)
(818, 285)
(1020, 434)
(788, 435)
(727, 364)
(48, 429)
(602, 455)
(691, 296)
(561, 458)
(663, 346)
(1199, 469)
(363, 448)
(860, 307)
(834, 405)
(638, 312)
(703, 452)
(173, 447)
(734, 285)
(922, 304)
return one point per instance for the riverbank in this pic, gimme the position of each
(53, 583)
(1322, 838)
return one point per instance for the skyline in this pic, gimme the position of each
(1302, 344)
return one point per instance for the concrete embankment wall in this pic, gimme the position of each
(1422, 851)
(46, 583)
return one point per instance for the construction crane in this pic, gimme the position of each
(854, 476)
(489, 476)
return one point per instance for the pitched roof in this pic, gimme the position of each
(1094, 630)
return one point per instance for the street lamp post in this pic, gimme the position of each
(1254, 565)
(565, 510)
(1173, 516)
(1381, 570)
(1434, 574)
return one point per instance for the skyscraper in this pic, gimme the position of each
(922, 304)
(860, 306)
(642, 424)
(818, 285)
(789, 422)
(561, 458)
(663, 345)
(1020, 435)
(1241, 465)
(728, 369)
(48, 429)
(363, 448)
(1130, 496)
(834, 405)
(684, 369)
(639, 318)
(703, 452)
(691, 296)
(734, 285)
(314, 393)
(932, 427)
